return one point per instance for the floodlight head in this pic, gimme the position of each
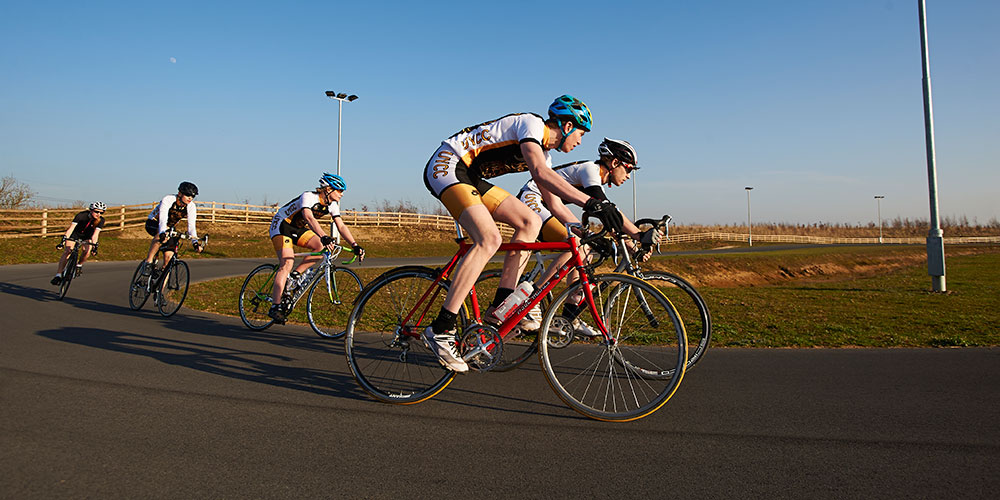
(330, 93)
(748, 188)
(341, 95)
(351, 98)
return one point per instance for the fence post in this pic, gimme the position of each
(45, 221)
(213, 211)
(246, 213)
(121, 220)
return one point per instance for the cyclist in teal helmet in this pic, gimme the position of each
(296, 223)
(458, 173)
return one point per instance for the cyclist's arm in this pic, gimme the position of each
(345, 231)
(94, 237)
(630, 228)
(192, 217)
(307, 215)
(165, 204)
(69, 231)
(557, 207)
(546, 178)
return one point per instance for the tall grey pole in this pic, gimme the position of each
(935, 237)
(749, 225)
(340, 123)
(878, 208)
(634, 216)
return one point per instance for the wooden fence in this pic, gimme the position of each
(53, 222)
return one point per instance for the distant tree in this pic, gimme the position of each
(14, 194)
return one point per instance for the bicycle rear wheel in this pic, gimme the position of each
(138, 291)
(174, 289)
(255, 297)
(68, 273)
(329, 304)
(692, 309)
(384, 348)
(590, 374)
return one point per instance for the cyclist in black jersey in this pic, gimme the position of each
(163, 217)
(86, 226)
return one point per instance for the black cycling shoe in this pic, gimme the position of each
(276, 314)
(56, 280)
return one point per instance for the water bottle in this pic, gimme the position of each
(515, 299)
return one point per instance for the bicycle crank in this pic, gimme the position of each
(481, 347)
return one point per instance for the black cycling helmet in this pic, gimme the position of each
(621, 150)
(187, 189)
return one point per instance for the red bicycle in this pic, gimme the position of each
(600, 376)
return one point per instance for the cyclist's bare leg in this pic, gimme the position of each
(526, 226)
(154, 246)
(482, 230)
(314, 244)
(67, 249)
(286, 260)
(85, 251)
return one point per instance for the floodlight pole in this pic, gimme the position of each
(878, 207)
(935, 237)
(341, 97)
(749, 227)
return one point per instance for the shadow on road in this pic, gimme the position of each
(229, 362)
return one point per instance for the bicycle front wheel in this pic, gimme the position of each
(68, 273)
(329, 304)
(255, 297)
(384, 347)
(590, 374)
(138, 290)
(692, 309)
(174, 288)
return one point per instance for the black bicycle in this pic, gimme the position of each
(71, 271)
(167, 285)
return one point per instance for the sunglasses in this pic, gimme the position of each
(98, 211)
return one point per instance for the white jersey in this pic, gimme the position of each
(291, 212)
(168, 213)
(580, 174)
(493, 148)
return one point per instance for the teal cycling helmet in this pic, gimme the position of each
(567, 107)
(332, 181)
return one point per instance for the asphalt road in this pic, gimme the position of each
(97, 401)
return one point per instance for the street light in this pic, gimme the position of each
(878, 203)
(749, 227)
(341, 97)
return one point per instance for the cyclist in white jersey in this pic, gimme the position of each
(456, 174)
(617, 161)
(296, 224)
(165, 215)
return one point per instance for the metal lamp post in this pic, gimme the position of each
(749, 227)
(935, 237)
(341, 97)
(878, 206)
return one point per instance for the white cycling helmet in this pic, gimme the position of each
(98, 205)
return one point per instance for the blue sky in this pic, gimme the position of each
(815, 104)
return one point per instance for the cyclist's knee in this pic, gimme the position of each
(490, 241)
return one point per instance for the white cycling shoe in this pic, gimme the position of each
(533, 320)
(443, 346)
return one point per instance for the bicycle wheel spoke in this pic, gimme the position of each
(255, 297)
(329, 303)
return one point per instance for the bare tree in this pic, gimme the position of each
(14, 194)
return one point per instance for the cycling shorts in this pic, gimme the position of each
(153, 229)
(552, 229)
(449, 179)
(287, 235)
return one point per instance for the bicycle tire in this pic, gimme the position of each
(173, 287)
(589, 374)
(255, 297)
(390, 365)
(692, 309)
(69, 273)
(138, 292)
(516, 348)
(328, 313)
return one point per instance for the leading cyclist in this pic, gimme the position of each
(295, 224)
(167, 213)
(456, 174)
(86, 226)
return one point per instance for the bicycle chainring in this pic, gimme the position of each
(560, 332)
(481, 347)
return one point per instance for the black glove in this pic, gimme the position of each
(606, 211)
(649, 237)
(163, 237)
(93, 249)
(61, 245)
(326, 240)
(360, 252)
(197, 245)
